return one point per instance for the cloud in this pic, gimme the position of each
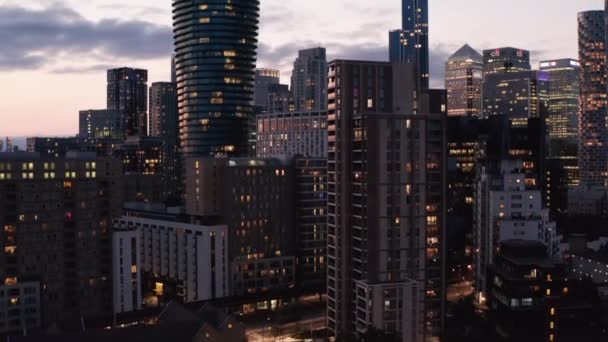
(37, 38)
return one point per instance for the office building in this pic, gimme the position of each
(385, 202)
(593, 133)
(410, 44)
(562, 114)
(311, 223)
(506, 208)
(56, 216)
(309, 80)
(280, 99)
(128, 93)
(100, 124)
(505, 59)
(178, 260)
(262, 240)
(173, 70)
(463, 80)
(532, 298)
(164, 125)
(290, 134)
(215, 56)
(263, 79)
(518, 95)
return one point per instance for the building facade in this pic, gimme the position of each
(290, 134)
(311, 223)
(518, 95)
(126, 269)
(562, 114)
(128, 93)
(385, 202)
(411, 43)
(280, 99)
(593, 133)
(56, 216)
(463, 80)
(507, 209)
(178, 260)
(505, 59)
(101, 124)
(215, 68)
(164, 125)
(309, 80)
(263, 79)
(262, 239)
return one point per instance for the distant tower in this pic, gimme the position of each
(215, 56)
(128, 93)
(593, 145)
(463, 78)
(562, 119)
(264, 78)
(411, 43)
(309, 80)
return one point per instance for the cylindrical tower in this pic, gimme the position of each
(593, 146)
(215, 57)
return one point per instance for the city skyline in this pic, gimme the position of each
(42, 38)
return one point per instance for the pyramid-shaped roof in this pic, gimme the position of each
(466, 51)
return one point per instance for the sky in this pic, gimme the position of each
(54, 53)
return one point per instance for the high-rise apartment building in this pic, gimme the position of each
(290, 134)
(128, 93)
(593, 133)
(507, 208)
(215, 56)
(309, 80)
(386, 195)
(311, 222)
(164, 125)
(410, 44)
(505, 59)
(463, 80)
(562, 115)
(56, 220)
(263, 79)
(261, 233)
(518, 95)
(101, 124)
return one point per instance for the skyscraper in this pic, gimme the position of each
(309, 80)
(263, 79)
(164, 125)
(562, 118)
(128, 93)
(215, 56)
(411, 43)
(505, 59)
(385, 261)
(593, 145)
(463, 79)
(518, 95)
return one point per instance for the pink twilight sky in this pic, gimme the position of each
(54, 52)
